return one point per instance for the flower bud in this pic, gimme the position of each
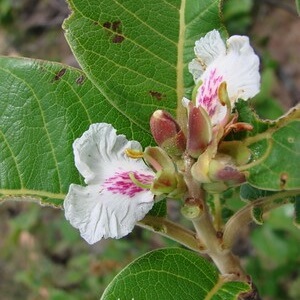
(158, 159)
(200, 168)
(199, 130)
(168, 183)
(167, 133)
(167, 180)
(164, 183)
(237, 150)
(221, 169)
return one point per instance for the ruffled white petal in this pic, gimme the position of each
(98, 213)
(100, 151)
(112, 203)
(241, 69)
(238, 66)
(196, 69)
(207, 49)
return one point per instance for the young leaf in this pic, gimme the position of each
(172, 274)
(136, 53)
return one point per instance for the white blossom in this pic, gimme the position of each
(234, 63)
(111, 203)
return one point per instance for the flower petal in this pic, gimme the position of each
(239, 68)
(99, 213)
(100, 151)
(207, 94)
(207, 49)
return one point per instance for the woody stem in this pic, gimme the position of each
(197, 211)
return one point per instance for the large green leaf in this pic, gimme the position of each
(172, 274)
(136, 52)
(43, 107)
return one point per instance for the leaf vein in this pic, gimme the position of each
(13, 157)
(144, 23)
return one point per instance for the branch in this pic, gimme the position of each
(172, 231)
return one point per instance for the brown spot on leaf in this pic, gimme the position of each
(80, 79)
(96, 23)
(159, 96)
(283, 180)
(107, 25)
(117, 39)
(116, 26)
(114, 29)
(59, 74)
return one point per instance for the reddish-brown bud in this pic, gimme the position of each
(221, 169)
(167, 133)
(199, 130)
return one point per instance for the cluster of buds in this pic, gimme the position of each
(215, 161)
(223, 73)
(123, 182)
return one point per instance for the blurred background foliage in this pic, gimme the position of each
(43, 257)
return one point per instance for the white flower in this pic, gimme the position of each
(110, 204)
(234, 62)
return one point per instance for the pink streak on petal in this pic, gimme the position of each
(207, 95)
(121, 183)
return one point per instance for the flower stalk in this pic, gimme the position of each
(171, 230)
(227, 263)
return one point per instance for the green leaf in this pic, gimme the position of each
(275, 147)
(159, 209)
(298, 6)
(248, 115)
(263, 201)
(135, 57)
(250, 193)
(44, 107)
(136, 52)
(276, 159)
(172, 274)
